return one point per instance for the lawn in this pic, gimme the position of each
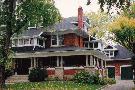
(52, 85)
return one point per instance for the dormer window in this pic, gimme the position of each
(109, 53)
(57, 40)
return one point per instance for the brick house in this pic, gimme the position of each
(59, 48)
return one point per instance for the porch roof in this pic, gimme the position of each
(95, 53)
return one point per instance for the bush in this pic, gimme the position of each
(8, 72)
(85, 77)
(111, 81)
(105, 81)
(37, 75)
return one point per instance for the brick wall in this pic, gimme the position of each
(73, 40)
(117, 65)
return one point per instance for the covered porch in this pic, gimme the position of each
(61, 62)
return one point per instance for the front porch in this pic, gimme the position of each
(63, 67)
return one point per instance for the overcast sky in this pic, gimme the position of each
(68, 8)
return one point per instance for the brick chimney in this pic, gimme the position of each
(80, 18)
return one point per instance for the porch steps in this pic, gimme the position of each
(17, 79)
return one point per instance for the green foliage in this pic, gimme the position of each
(8, 72)
(121, 4)
(85, 77)
(37, 75)
(105, 81)
(52, 85)
(39, 12)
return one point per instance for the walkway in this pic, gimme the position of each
(121, 85)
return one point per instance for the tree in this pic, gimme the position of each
(17, 14)
(98, 24)
(123, 30)
(121, 4)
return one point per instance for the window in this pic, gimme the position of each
(91, 45)
(95, 44)
(20, 41)
(54, 40)
(109, 53)
(40, 42)
(57, 40)
(15, 42)
(26, 41)
(61, 40)
(31, 41)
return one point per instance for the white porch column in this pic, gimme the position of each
(91, 61)
(87, 60)
(97, 62)
(105, 64)
(31, 62)
(61, 62)
(102, 64)
(34, 62)
(94, 60)
(58, 61)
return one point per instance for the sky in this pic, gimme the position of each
(69, 8)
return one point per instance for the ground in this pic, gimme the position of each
(52, 85)
(121, 85)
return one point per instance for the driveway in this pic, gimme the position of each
(121, 85)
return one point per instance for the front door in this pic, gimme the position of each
(111, 72)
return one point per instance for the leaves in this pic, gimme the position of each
(124, 30)
(121, 4)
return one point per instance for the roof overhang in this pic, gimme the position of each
(95, 53)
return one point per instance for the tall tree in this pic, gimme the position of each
(123, 30)
(16, 14)
(98, 24)
(121, 4)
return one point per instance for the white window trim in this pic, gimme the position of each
(124, 66)
(58, 44)
(109, 53)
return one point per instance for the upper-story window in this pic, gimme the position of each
(109, 53)
(28, 42)
(57, 40)
(91, 45)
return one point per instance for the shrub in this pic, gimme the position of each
(37, 75)
(85, 77)
(111, 81)
(8, 72)
(105, 81)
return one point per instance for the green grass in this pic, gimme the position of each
(52, 85)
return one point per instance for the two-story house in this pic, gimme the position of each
(59, 48)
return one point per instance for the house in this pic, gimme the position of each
(59, 48)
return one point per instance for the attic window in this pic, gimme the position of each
(109, 53)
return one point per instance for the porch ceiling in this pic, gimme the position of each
(95, 53)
